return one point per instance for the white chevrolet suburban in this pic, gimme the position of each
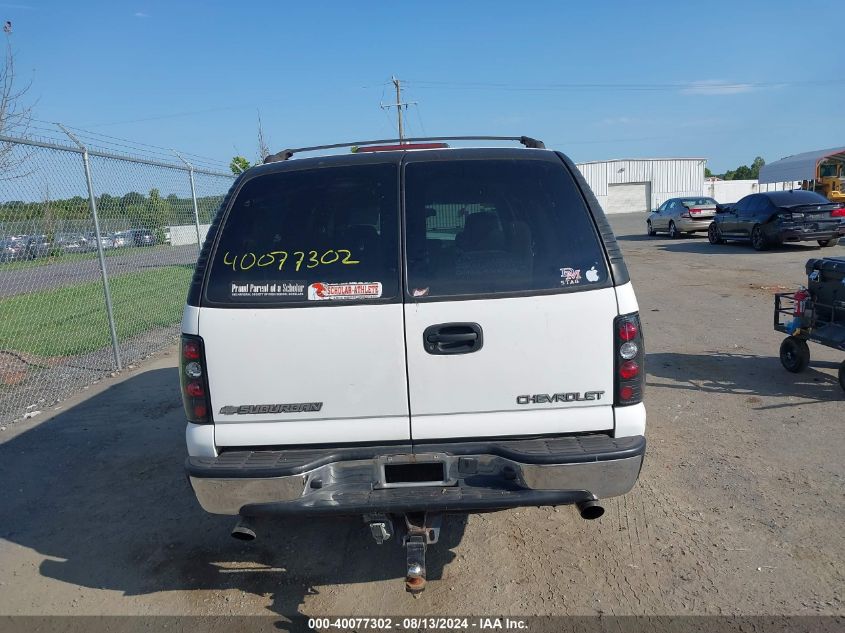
(411, 330)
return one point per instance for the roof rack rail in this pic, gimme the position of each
(285, 154)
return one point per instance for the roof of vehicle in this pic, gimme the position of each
(795, 196)
(798, 167)
(402, 144)
(457, 153)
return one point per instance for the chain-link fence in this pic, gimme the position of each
(96, 253)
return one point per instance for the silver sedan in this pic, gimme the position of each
(678, 216)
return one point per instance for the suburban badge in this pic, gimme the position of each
(255, 409)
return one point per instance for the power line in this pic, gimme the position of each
(106, 141)
(690, 86)
(171, 116)
(117, 138)
(419, 117)
(391, 125)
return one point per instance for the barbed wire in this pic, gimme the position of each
(115, 144)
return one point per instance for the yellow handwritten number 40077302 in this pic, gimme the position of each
(314, 259)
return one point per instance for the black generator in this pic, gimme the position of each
(826, 283)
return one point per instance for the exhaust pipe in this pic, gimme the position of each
(244, 530)
(590, 509)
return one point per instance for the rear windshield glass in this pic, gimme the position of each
(693, 201)
(497, 226)
(328, 234)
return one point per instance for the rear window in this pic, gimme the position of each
(478, 227)
(328, 234)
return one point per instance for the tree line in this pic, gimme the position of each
(151, 211)
(743, 172)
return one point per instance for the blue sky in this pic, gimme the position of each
(721, 80)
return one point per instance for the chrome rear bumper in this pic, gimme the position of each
(471, 476)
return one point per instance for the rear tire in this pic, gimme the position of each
(758, 240)
(673, 231)
(651, 231)
(795, 355)
(831, 242)
(714, 234)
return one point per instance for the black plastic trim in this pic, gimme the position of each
(432, 499)
(559, 450)
(441, 348)
(618, 269)
(287, 154)
(195, 290)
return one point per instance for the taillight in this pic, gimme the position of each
(194, 381)
(629, 370)
(190, 349)
(195, 390)
(629, 360)
(627, 330)
(838, 213)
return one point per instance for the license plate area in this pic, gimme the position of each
(414, 473)
(398, 471)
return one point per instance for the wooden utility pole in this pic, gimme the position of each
(398, 105)
(397, 83)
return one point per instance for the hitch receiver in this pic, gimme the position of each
(423, 529)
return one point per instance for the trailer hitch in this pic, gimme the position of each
(421, 529)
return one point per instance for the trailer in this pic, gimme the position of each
(814, 313)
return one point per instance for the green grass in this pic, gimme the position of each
(75, 257)
(72, 320)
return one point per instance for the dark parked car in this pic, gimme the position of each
(36, 246)
(24, 247)
(143, 237)
(770, 219)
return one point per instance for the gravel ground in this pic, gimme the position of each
(738, 509)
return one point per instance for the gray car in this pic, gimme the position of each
(679, 216)
(106, 241)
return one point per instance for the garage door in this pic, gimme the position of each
(632, 197)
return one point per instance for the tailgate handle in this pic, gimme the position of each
(453, 338)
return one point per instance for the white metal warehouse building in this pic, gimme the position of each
(642, 184)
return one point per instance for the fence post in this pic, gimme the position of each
(193, 199)
(92, 203)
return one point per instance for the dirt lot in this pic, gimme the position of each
(739, 509)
